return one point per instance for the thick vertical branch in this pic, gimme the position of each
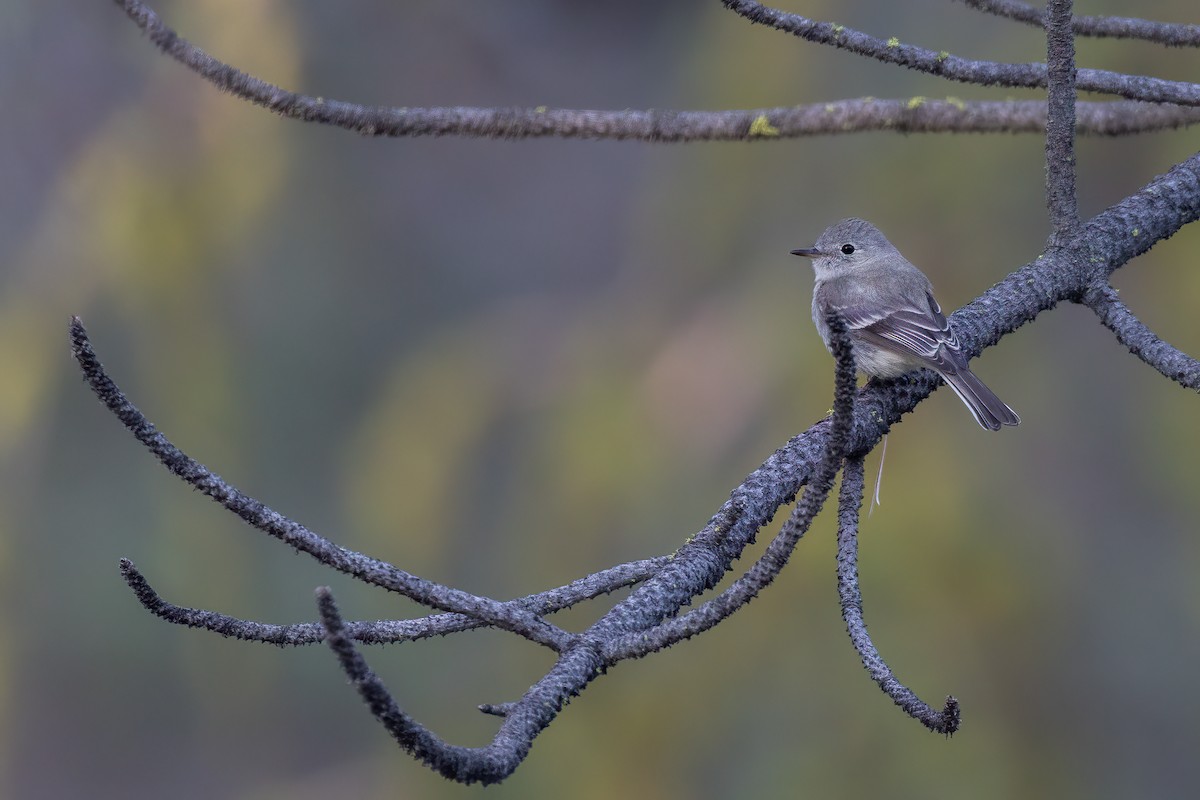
(1060, 120)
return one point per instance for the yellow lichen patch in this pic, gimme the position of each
(761, 126)
(915, 103)
(893, 42)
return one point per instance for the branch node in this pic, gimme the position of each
(497, 709)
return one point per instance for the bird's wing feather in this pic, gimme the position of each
(909, 330)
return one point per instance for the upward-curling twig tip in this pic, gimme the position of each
(77, 333)
(951, 716)
(850, 497)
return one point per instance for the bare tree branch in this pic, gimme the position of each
(981, 73)
(1164, 33)
(849, 504)
(912, 115)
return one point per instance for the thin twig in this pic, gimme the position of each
(259, 515)
(1141, 341)
(1165, 33)
(956, 68)
(384, 631)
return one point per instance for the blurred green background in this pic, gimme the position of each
(503, 365)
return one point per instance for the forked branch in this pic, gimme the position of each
(385, 631)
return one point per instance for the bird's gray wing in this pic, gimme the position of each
(909, 330)
(924, 336)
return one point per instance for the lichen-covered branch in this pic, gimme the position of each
(911, 115)
(956, 68)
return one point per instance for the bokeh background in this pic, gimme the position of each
(503, 365)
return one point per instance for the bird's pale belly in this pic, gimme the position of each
(877, 362)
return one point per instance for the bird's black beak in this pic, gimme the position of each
(807, 252)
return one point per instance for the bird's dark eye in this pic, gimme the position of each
(847, 249)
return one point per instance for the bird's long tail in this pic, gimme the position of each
(988, 410)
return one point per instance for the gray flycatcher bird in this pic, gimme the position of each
(895, 324)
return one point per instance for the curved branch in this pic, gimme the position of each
(369, 570)
(577, 665)
(913, 115)
(943, 64)
(763, 572)
(1164, 33)
(384, 631)
(1141, 341)
(849, 504)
